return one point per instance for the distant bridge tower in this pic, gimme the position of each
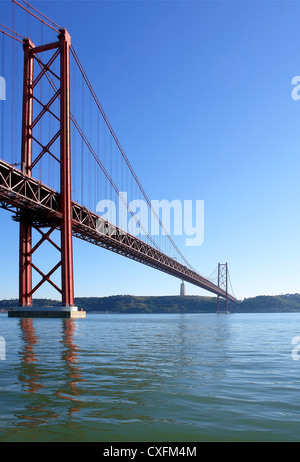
(182, 289)
(223, 282)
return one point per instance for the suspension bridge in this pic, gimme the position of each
(70, 156)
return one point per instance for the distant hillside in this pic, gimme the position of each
(174, 304)
(270, 304)
(163, 304)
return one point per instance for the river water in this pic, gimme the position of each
(147, 377)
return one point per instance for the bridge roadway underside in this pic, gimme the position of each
(38, 204)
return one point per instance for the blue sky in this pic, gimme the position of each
(199, 95)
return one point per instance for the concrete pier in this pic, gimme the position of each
(71, 312)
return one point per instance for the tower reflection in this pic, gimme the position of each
(70, 391)
(49, 370)
(30, 376)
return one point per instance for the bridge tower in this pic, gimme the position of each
(223, 282)
(34, 56)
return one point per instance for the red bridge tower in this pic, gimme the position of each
(61, 90)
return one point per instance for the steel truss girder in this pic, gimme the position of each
(22, 191)
(89, 227)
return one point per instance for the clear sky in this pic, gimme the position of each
(200, 96)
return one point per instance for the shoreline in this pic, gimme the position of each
(288, 303)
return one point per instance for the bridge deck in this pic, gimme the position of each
(32, 200)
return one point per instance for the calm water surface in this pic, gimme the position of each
(190, 377)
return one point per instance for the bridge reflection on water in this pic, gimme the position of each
(32, 372)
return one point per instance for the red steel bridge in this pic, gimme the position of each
(48, 125)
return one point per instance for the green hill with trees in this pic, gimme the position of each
(173, 304)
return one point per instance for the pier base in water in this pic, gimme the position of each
(47, 312)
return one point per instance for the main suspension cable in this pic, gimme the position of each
(35, 16)
(124, 155)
